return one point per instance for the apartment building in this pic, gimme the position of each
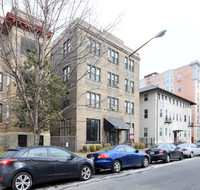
(11, 136)
(103, 83)
(164, 116)
(184, 82)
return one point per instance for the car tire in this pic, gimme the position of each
(181, 156)
(85, 173)
(145, 162)
(116, 167)
(167, 159)
(191, 154)
(22, 181)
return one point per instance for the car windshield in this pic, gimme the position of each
(156, 146)
(106, 149)
(8, 154)
(183, 145)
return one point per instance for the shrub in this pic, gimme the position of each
(107, 144)
(141, 146)
(99, 147)
(92, 148)
(85, 148)
(137, 145)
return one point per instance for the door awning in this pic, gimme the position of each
(112, 123)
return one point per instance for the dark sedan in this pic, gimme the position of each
(165, 152)
(118, 157)
(23, 167)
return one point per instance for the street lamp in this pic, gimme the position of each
(160, 34)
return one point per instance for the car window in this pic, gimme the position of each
(157, 146)
(193, 146)
(59, 153)
(173, 146)
(129, 149)
(37, 152)
(8, 154)
(183, 145)
(106, 149)
(121, 149)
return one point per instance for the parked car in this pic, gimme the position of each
(189, 149)
(118, 157)
(198, 144)
(23, 167)
(165, 152)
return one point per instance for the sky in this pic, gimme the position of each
(140, 20)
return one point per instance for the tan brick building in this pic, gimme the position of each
(96, 70)
(11, 136)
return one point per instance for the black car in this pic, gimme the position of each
(21, 168)
(165, 152)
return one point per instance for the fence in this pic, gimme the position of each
(147, 141)
(66, 142)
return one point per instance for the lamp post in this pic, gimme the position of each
(160, 34)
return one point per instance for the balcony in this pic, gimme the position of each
(193, 125)
(168, 119)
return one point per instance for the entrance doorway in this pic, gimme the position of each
(114, 137)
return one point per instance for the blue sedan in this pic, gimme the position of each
(118, 157)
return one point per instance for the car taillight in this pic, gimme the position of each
(160, 151)
(1, 178)
(103, 156)
(145, 151)
(185, 149)
(6, 162)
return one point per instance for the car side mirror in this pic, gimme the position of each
(136, 151)
(72, 157)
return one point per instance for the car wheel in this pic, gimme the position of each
(167, 159)
(191, 155)
(181, 156)
(22, 181)
(85, 173)
(145, 162)
(116, 167)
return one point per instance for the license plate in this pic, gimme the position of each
(151, 152)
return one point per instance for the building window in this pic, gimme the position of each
(93, 99)
(170, 132)
(93, 73)
(93, 130)
(129, 64)
(145, 113)
(22, 140)
(179, 88)
(145, 97)
(185, 118)
(179, 77)
(7, 114)
(185, 133)
(113, 56)
(66, 73)
(160, 131)
(1, 54)
(165, 131)
(66, 47)
(157, 84)
(113, 79)
(129, 109)
(94, 47)
(64, 127)
(127, 85)
(1, 81)
(113, 104)
(0, 113)
(188, 133)
(161, 112)
(145, 132)
(8, 82)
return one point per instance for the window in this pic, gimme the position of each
(59, 153)
(129, 109)
(127, 83)
(22, 140)
(132, 86)
(179, 77)
(113, 56)
(145, 97)
(27, 45)
(165, 131)
(170, 132)
(37, 152)
(1, 81)
(113, 80)
(145, 113)
(1, 54)
(93, 73)
(129, 64)
(66, 73)
(145, 132)
(93, 99)
(161, 112)
(94, 47)
(160, 131)
(185, 118)
(64, 127)
(66, 47)
(185, 133)
(93, 130)
(113, 104)
(157, 83)
(179, 88)
(8, 82)
(0, 113)
(7, 114)
(188, 133)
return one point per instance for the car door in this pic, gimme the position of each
(195, 149)
(39, 163)
(64, 164)
(175, 153)
(122, 155)
(133, 158)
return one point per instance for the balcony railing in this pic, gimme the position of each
(168, 120)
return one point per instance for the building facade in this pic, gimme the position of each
(164, 116)
(11, 136)
(183, 81)
(103, 97)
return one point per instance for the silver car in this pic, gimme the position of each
(189, 149)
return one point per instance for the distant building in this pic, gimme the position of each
(98, 104)
(185, 82)
(164, 116)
